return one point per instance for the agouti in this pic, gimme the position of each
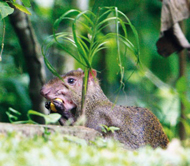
(137, 126)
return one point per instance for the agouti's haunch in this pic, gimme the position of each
(137, 126)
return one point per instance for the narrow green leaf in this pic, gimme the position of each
(123, 23)
(67, 49)
(106, 20)
(32, 112)
(129, 45)
(89, 20)
(26, 3)
(134, 31)
(104, 15)
(21, 8)
(118, 45)
(124, 41)
(11, 116)
(49, 66)
(57, 22)
(97, 48)
(83, 44)
(85, 26)
(113, 128)
(80, 47)
(14, 111)
(84, 38)
(103, 128)
(103, 27)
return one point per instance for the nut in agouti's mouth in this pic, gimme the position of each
(51, 105)
(60, 104)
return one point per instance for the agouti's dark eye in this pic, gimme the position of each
(71, 81)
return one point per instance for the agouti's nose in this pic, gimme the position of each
(42, 91)
(45, 92)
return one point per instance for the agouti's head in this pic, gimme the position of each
(69, 91)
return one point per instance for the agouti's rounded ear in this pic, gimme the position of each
(79, 69)
(92, 73)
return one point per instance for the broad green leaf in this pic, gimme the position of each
(5, 10)
(26, 3)
(21, 8)
(52, 118)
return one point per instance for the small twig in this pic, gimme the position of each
(2, 44)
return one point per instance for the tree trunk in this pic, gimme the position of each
(32, 55)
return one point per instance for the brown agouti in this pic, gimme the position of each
(137, 126)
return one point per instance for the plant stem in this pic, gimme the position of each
(3, 38)
(182, 67)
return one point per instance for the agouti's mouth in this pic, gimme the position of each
(63, 103)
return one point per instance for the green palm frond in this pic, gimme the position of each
(87, 37)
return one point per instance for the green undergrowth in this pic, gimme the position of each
(70, 151)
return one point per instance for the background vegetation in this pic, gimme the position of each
(154, 84)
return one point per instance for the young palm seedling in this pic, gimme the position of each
(89, 35)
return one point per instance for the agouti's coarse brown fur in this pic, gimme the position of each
(137, 126)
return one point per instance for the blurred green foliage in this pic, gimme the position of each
(152, 84)
(71, 151)
(13, 88)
